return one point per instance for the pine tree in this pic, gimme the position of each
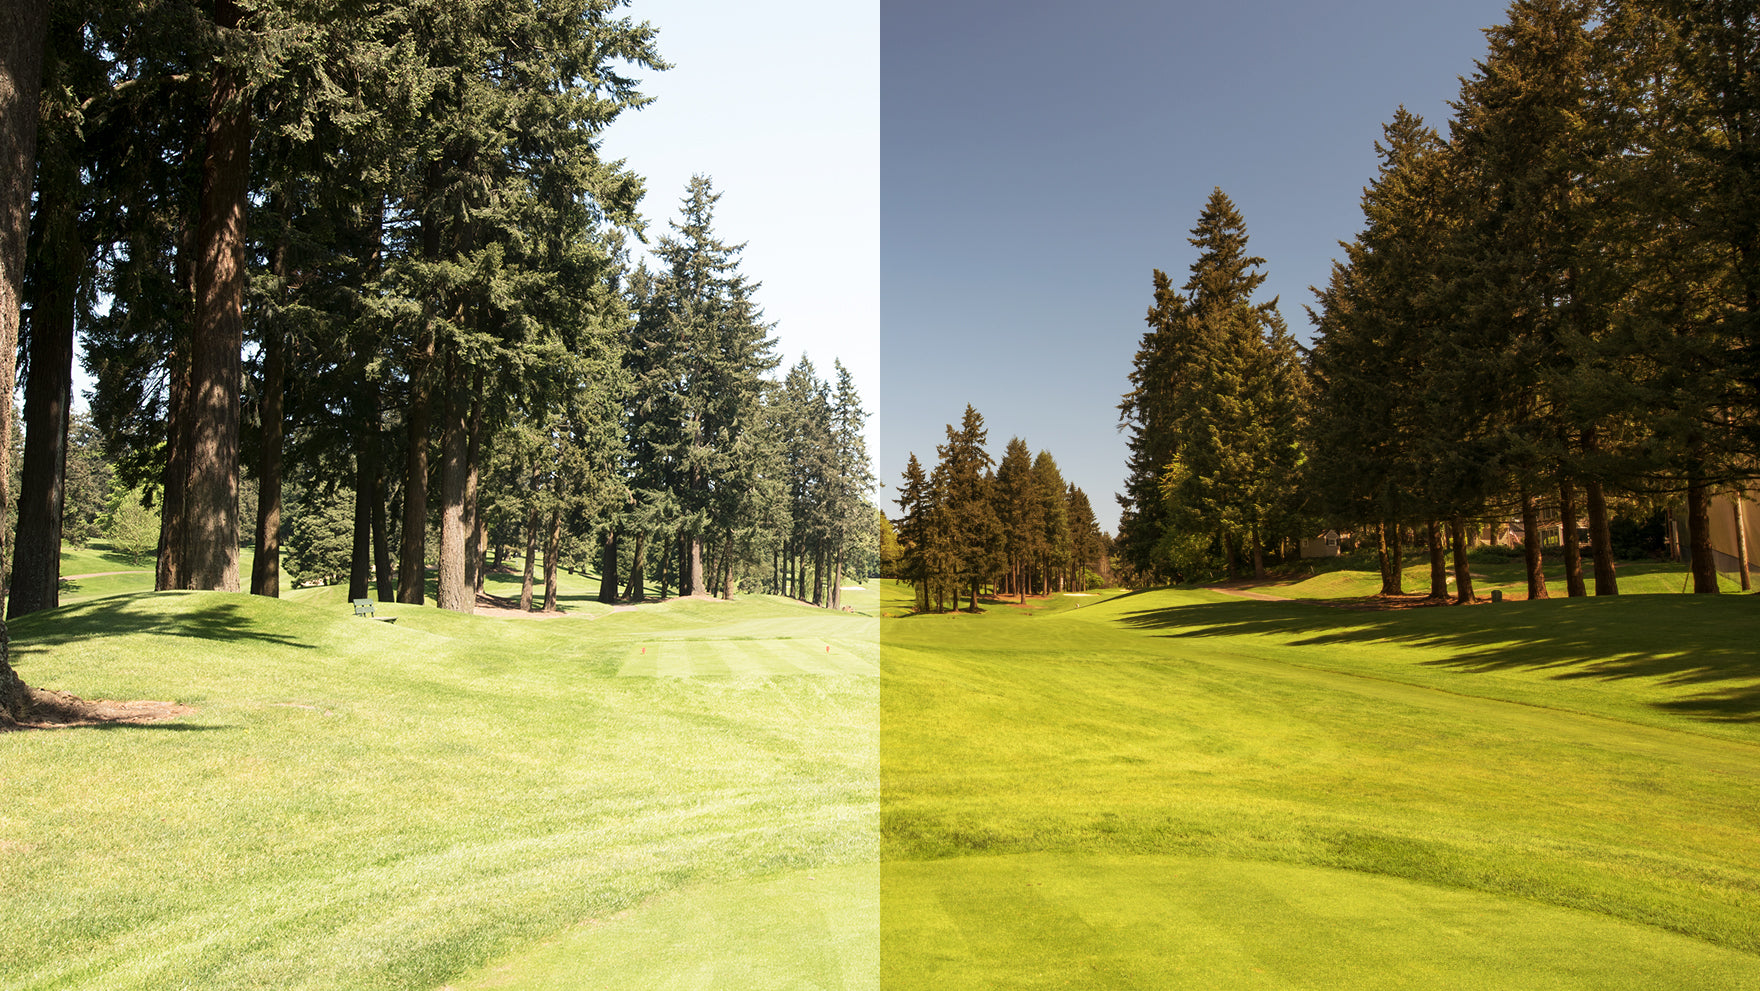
(963, 482)
(1214, 407)
(1021, 513)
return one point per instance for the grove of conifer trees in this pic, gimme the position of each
(1013, 527)
(373, 255)
(1550, 313)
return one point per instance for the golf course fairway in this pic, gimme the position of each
(444, 800)
(1175, 789)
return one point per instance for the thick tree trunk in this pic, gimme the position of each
(1258, 558)
(699, 584)
(1230, 552)
(36, 557)
(1600, 538)
(1704, 564)
(1463, 574)
(608, 567)
(1567, 529)
(1385, 554)
(216, 363)
(453, 590)
(1438, 561)
(1532, 552)
(552, 558)
(21, 71)
(837, 580)
(637, 589)
(525, 588)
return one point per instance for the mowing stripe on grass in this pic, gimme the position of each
(1055, 921)
(747, 658)
(812, 930)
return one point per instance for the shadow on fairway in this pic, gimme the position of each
(224, 619)
(1680, 641)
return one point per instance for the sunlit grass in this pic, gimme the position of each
(1586, 770)
(360, 804)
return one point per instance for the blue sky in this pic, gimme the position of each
(1040, 160)
(778, 101)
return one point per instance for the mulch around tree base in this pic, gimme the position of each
(60, 710)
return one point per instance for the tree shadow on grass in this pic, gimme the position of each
(1679, 642)
(220, 619)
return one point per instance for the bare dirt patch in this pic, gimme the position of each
(494, 605)
(61, 710)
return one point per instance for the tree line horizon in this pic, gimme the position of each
(1014, 525)
(1550, 311)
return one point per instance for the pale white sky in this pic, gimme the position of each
(778, 102)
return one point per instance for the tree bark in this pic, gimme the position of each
(525, 588)
(21, 71)
(636, 590)
(360, 559)
(266, 564)
(48, 390)
(1704, 564)
(699, 584)
(384, 580)
(1463, 574)
(1741, 535)
(1567, 530)
(473, 510)
(412, 555)
(1438, 561)
(452, 591)
(1600, 534)
(174, 482)
(837, 580)
(217, 341)
(1388, 547)
(552, 557)
(608, 568)
(1532, 553)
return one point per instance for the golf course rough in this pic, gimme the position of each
(1167, 790)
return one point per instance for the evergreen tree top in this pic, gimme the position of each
(1224, 273)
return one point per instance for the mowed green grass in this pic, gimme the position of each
(1359, 577)
(1169, 789)
(445, 799)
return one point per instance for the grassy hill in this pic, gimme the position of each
(1173, 790)
(444, 799)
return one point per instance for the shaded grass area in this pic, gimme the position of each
(1358, 576)
(362, 805)
(1597, 759)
